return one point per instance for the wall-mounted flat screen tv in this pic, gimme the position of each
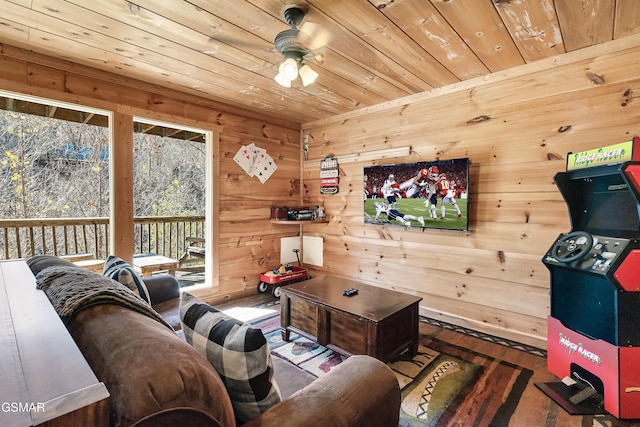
(430, 194)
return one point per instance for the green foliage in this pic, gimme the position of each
(58, 169)
(169, 176)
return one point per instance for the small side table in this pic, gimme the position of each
(151, 263)
(95, 265)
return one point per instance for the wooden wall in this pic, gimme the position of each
(516, 127)
(246, 243)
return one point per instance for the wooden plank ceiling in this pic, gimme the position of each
(372, 50)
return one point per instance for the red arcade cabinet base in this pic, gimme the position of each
(568, 349)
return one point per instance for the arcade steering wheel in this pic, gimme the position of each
(572, 247)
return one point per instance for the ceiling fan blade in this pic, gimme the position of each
(316, 56)
(313, 36)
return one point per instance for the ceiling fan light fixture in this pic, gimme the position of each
(307, 75)
(282, 80)
(293, 43)
(289, 69)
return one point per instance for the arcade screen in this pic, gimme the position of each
(601, 204)
(430, 194)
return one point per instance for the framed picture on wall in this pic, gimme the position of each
(431, 194)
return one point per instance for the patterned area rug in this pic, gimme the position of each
(442, 384)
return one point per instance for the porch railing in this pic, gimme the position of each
(24, 238)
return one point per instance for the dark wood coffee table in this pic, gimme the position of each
(379, 322)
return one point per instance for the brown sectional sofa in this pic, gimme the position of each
(156, 379)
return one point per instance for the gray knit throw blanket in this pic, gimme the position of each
(71, 290)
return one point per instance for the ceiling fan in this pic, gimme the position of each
(295, 44)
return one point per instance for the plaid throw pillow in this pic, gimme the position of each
(120, 271)
(238, 352)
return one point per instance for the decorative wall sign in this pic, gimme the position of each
(329, 175)
(255, 162)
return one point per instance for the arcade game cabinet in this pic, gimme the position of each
(594, 323)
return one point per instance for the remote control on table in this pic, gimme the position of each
(350, 292)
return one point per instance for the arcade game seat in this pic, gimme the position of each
(593, 332)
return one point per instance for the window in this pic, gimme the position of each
(170, 195)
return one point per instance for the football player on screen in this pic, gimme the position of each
(411, 187)
(447, 193)
(390, 190)
(432, 175)
(393, 214)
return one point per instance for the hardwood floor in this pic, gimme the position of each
(535, 409)
(249, 301)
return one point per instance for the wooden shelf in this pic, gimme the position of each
(287, 222)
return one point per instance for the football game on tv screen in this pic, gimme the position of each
(430, 194)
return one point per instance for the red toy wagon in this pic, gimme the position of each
(280, 279)
(284, 275)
